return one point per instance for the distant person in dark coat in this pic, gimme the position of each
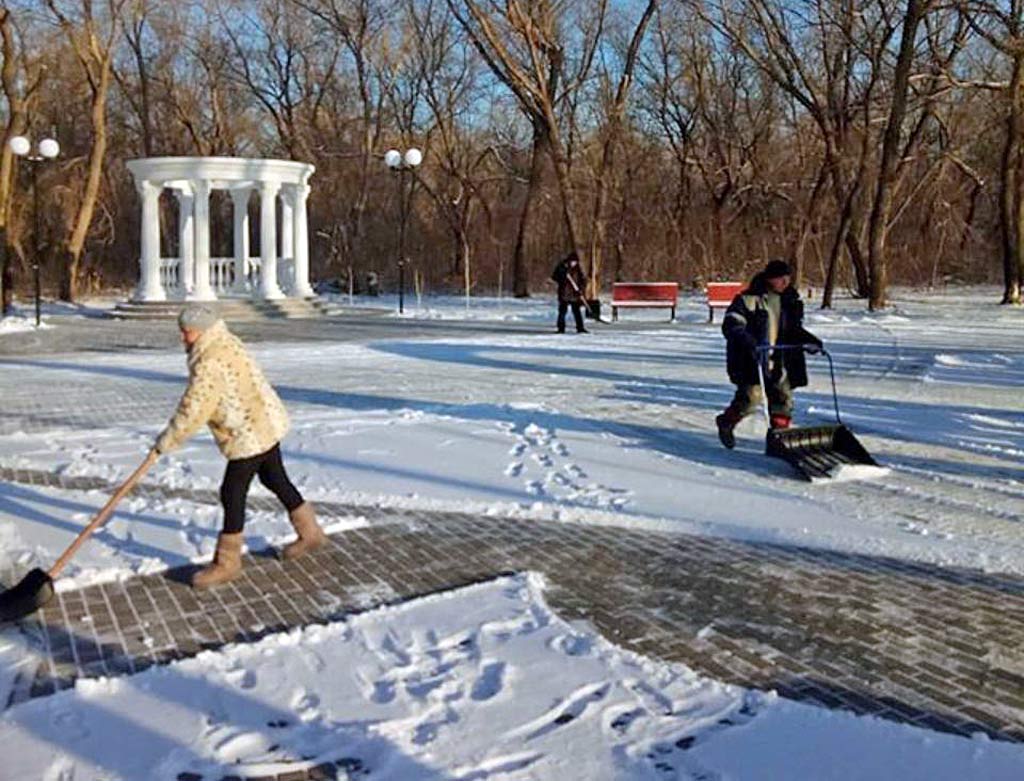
(571, 284)
(768, 313)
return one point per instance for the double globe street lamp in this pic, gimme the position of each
(402, 166)
(47, 150)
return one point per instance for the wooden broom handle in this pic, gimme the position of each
(104, 513)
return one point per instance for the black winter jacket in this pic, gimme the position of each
(566, 291)
(746, 326)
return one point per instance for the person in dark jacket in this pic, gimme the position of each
(571, 284)
(768, 313)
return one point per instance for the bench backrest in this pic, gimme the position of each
(722, 293)
(645, 291)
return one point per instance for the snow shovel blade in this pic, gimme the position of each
(31, 593)
(814, 451)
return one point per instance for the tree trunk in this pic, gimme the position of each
(1011, 204)
(564, 177)
(807, 225)
(71, 255)
(520, 270)
(598, 224)
(840, 239)
(880, 211)
(17, 110)
(861, 275)
(357, 211)
(464, 252)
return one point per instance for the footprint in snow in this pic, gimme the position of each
(490, 682)
(383, 692)
(577, 705)
(624, 720)
(243, 679)
(237, 747)
(575, 470)
(535, 487)
(572, 645)
(514, 469)
(304, 700)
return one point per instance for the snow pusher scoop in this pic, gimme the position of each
(816, 452)
(36, 588)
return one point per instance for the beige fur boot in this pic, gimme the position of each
(311, 536)
(226, 565)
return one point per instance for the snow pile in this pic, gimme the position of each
(18, 325)
(847, 472)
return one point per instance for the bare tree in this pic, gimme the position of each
(524, 45)
(829, 63)
(92, 37)
(447, 69)
(359, 25)
(1001, 25)
(282, 60)
(882, 207)
(20, 75)
(616, 107)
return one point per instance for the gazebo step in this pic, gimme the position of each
(235, 309)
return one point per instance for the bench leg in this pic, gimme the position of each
(672, 319)
(615, 313)
(711, 314)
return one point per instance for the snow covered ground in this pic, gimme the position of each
(614, 427)
(482, 683)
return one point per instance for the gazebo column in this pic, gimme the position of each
(287, 233)
(240, 212)
(201, 211)
(186, 242)
(268, 241)
(300, 252)
(150, 287)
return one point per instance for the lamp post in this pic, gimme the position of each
(47, 149)
(402, 166)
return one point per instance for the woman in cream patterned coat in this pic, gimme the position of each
(228, 392)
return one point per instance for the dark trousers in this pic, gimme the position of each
(238, 477)
(577, 314)
(748, 399)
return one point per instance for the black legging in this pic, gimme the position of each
(237, 478)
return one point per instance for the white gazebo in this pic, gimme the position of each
(194, 275)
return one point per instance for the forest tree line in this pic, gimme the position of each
(870, 142)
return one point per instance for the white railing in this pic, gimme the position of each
(224, 277)
(170, 276)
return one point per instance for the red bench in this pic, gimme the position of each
(644, 294)
(720, 295)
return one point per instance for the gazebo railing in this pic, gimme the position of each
(170, 273)
(224, 276)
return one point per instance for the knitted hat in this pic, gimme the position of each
(777, 268)
(197, 317)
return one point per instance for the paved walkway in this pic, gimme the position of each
(935, 647)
